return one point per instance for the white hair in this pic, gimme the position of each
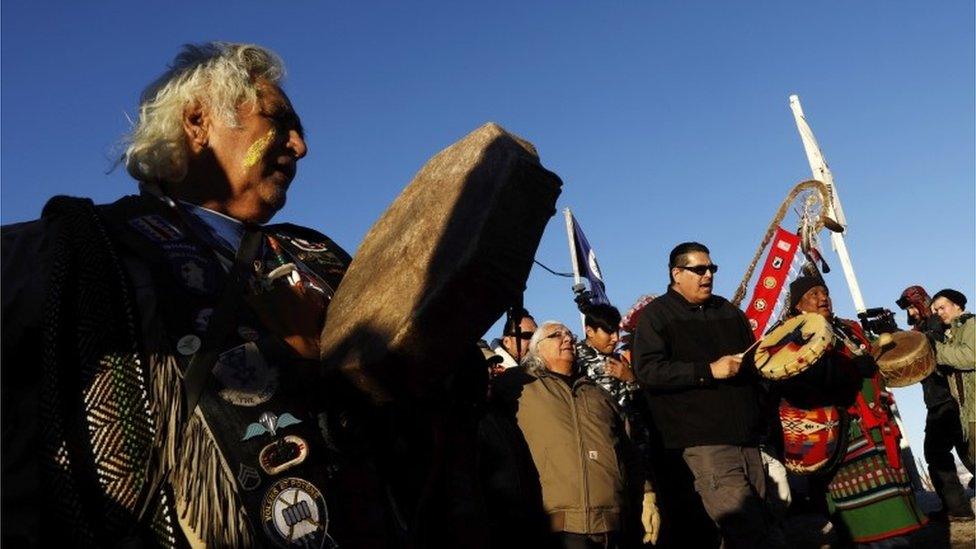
(534, 363)
(218, 75)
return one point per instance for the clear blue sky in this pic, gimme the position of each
(667, 121)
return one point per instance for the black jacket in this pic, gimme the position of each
(674, 344)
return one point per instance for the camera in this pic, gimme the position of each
(878, 320)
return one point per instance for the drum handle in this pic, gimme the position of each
(855, 349)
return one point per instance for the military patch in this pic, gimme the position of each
(248, 333)
(294, 514)
(268, 424)
(769, 282)
(196, 272)
(777, 262)
(202, 320)
(783, 245)
(248, 477)
(156, 228)
(188, 345)
(753, 324)
(314, 247)
(283, 454)
(244, 377)
(760, 304)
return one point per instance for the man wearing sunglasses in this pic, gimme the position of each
(514, 343)
(687, 356)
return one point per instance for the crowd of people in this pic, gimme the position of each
(161, 385)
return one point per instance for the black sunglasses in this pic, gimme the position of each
(700, 270)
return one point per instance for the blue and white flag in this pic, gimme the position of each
(584, 262)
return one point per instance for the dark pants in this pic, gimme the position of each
(731, 481)
(609, 540)
(943, 433)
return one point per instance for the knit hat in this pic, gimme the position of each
(953, 296)
(915, 296)
(802, 285)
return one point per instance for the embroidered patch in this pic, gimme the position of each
(202, 320)
(760, 304)
(188, 344)
(192, 269)
(294, 514)
(307, 246)
(248, 477)
(269, 423)
(753, 324)
(783, 245)
(156, 228)
(244, 377)
(777, 262)
(248, 333)
(769, 282)
(283, 454)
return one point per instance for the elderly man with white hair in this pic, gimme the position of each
(593, 485)
(157, 383)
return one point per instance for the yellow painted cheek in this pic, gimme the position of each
(257, 149)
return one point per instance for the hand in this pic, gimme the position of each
(650, 518)
(726, 367)
(619, 369)
(294, 313)
(865, 364)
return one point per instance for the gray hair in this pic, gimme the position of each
(220, 76)
(534, 364)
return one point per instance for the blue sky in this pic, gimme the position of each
(667, 121)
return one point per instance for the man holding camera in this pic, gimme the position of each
(943, 430)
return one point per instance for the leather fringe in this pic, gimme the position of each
(204, 488)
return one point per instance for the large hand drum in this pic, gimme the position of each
(903, 358)
(441, 265)
(793, 346)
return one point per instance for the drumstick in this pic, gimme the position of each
(751, 347)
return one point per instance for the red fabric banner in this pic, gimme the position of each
(771, 280)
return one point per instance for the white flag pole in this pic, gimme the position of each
(571, 237)
(821, 172)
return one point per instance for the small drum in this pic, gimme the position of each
(903, 358)
(793, 346)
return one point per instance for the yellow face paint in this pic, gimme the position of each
(257, 149)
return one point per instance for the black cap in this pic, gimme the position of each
(801, 286)
(953, 296)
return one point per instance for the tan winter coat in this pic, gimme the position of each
(580, 447)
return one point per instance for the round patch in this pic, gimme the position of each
(244, 377)
(760, 304)
(248, 333)
(295, 515)
(769, 282)
(188, 344)
(753, 324)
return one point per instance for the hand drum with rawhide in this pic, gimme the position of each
(903, 358)
(441, 265)
(793, 346)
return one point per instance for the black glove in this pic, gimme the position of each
(865, 364)
(934, 329)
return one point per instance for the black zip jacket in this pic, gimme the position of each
(674, 344)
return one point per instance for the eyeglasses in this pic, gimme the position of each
(522, 335)
(559, 334)
(700, 270)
